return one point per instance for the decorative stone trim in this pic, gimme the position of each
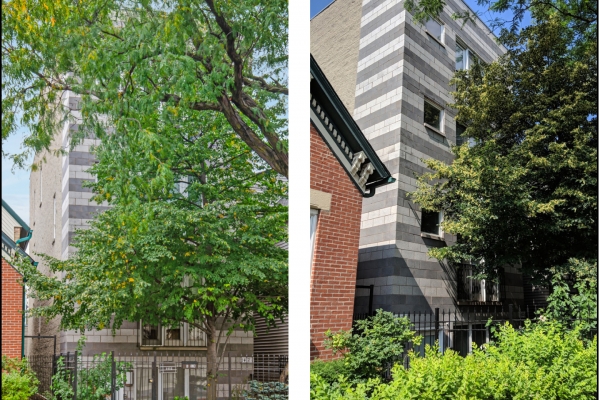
(320, 200)
(360, 169)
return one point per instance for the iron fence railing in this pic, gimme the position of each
(154, 375)
(458, 329)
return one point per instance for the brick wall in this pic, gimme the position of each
(333, 274)
(12, 303)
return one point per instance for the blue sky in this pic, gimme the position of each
(15, 183)
(317, 5)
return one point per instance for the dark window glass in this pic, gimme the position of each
(151, 335)
(173, 334)
(432, 115)
(435, 28)
(430, 222)
(460, 129)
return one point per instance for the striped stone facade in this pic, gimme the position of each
(400, 66)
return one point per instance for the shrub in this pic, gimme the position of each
(378, 341)
(18, 381)
(266, 391)
(542, 362)
(329, 371)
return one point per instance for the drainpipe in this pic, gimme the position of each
(23, 324)
(26, 238)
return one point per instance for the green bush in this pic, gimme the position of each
(18, 381)
(541, 362)
(377, 341)
(266, 391)
(329, 371)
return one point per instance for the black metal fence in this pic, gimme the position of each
(152, 376)
(459, 329)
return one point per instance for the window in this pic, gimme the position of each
(460, 139)
(314, 215)
(175, 336)
(460, 129)
(465, 58)
(431, 222)
(479, 290)
(433, 116)
(435, 29)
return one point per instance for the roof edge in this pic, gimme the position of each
(15, 216)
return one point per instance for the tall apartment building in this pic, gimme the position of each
(60, 204)
(393, 76)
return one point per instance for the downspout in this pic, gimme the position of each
(23, 324)
(372, 188)
(25, 239)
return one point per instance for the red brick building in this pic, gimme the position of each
(15, 234)
(12, 304)
(343, 169)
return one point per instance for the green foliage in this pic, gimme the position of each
(191, 237)
(574, 294)
(378, 341)
(330, 371)
(18, 380)
(133, 62)
(93, 376)
(526, 192)
(266, 391)
(543, 361)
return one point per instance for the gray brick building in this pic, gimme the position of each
(400, 73)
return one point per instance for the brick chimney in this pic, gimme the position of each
(20, 233)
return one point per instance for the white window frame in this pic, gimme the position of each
(467, 54)
(441, 39)
(441, 114)
(314, 218)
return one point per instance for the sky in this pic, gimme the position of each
(15, 182)
(317, 5)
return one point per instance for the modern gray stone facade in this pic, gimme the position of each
(402, 65)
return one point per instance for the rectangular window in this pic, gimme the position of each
(431, 222)
(314, 215)
(465, 58)
(460, 129)
(433, 116)
(175, 336)
(435, 29)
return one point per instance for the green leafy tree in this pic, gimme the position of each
(377, 342)
(191, 237)
(126, 59)
(526, 191)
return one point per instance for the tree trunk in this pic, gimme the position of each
(211, 358)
